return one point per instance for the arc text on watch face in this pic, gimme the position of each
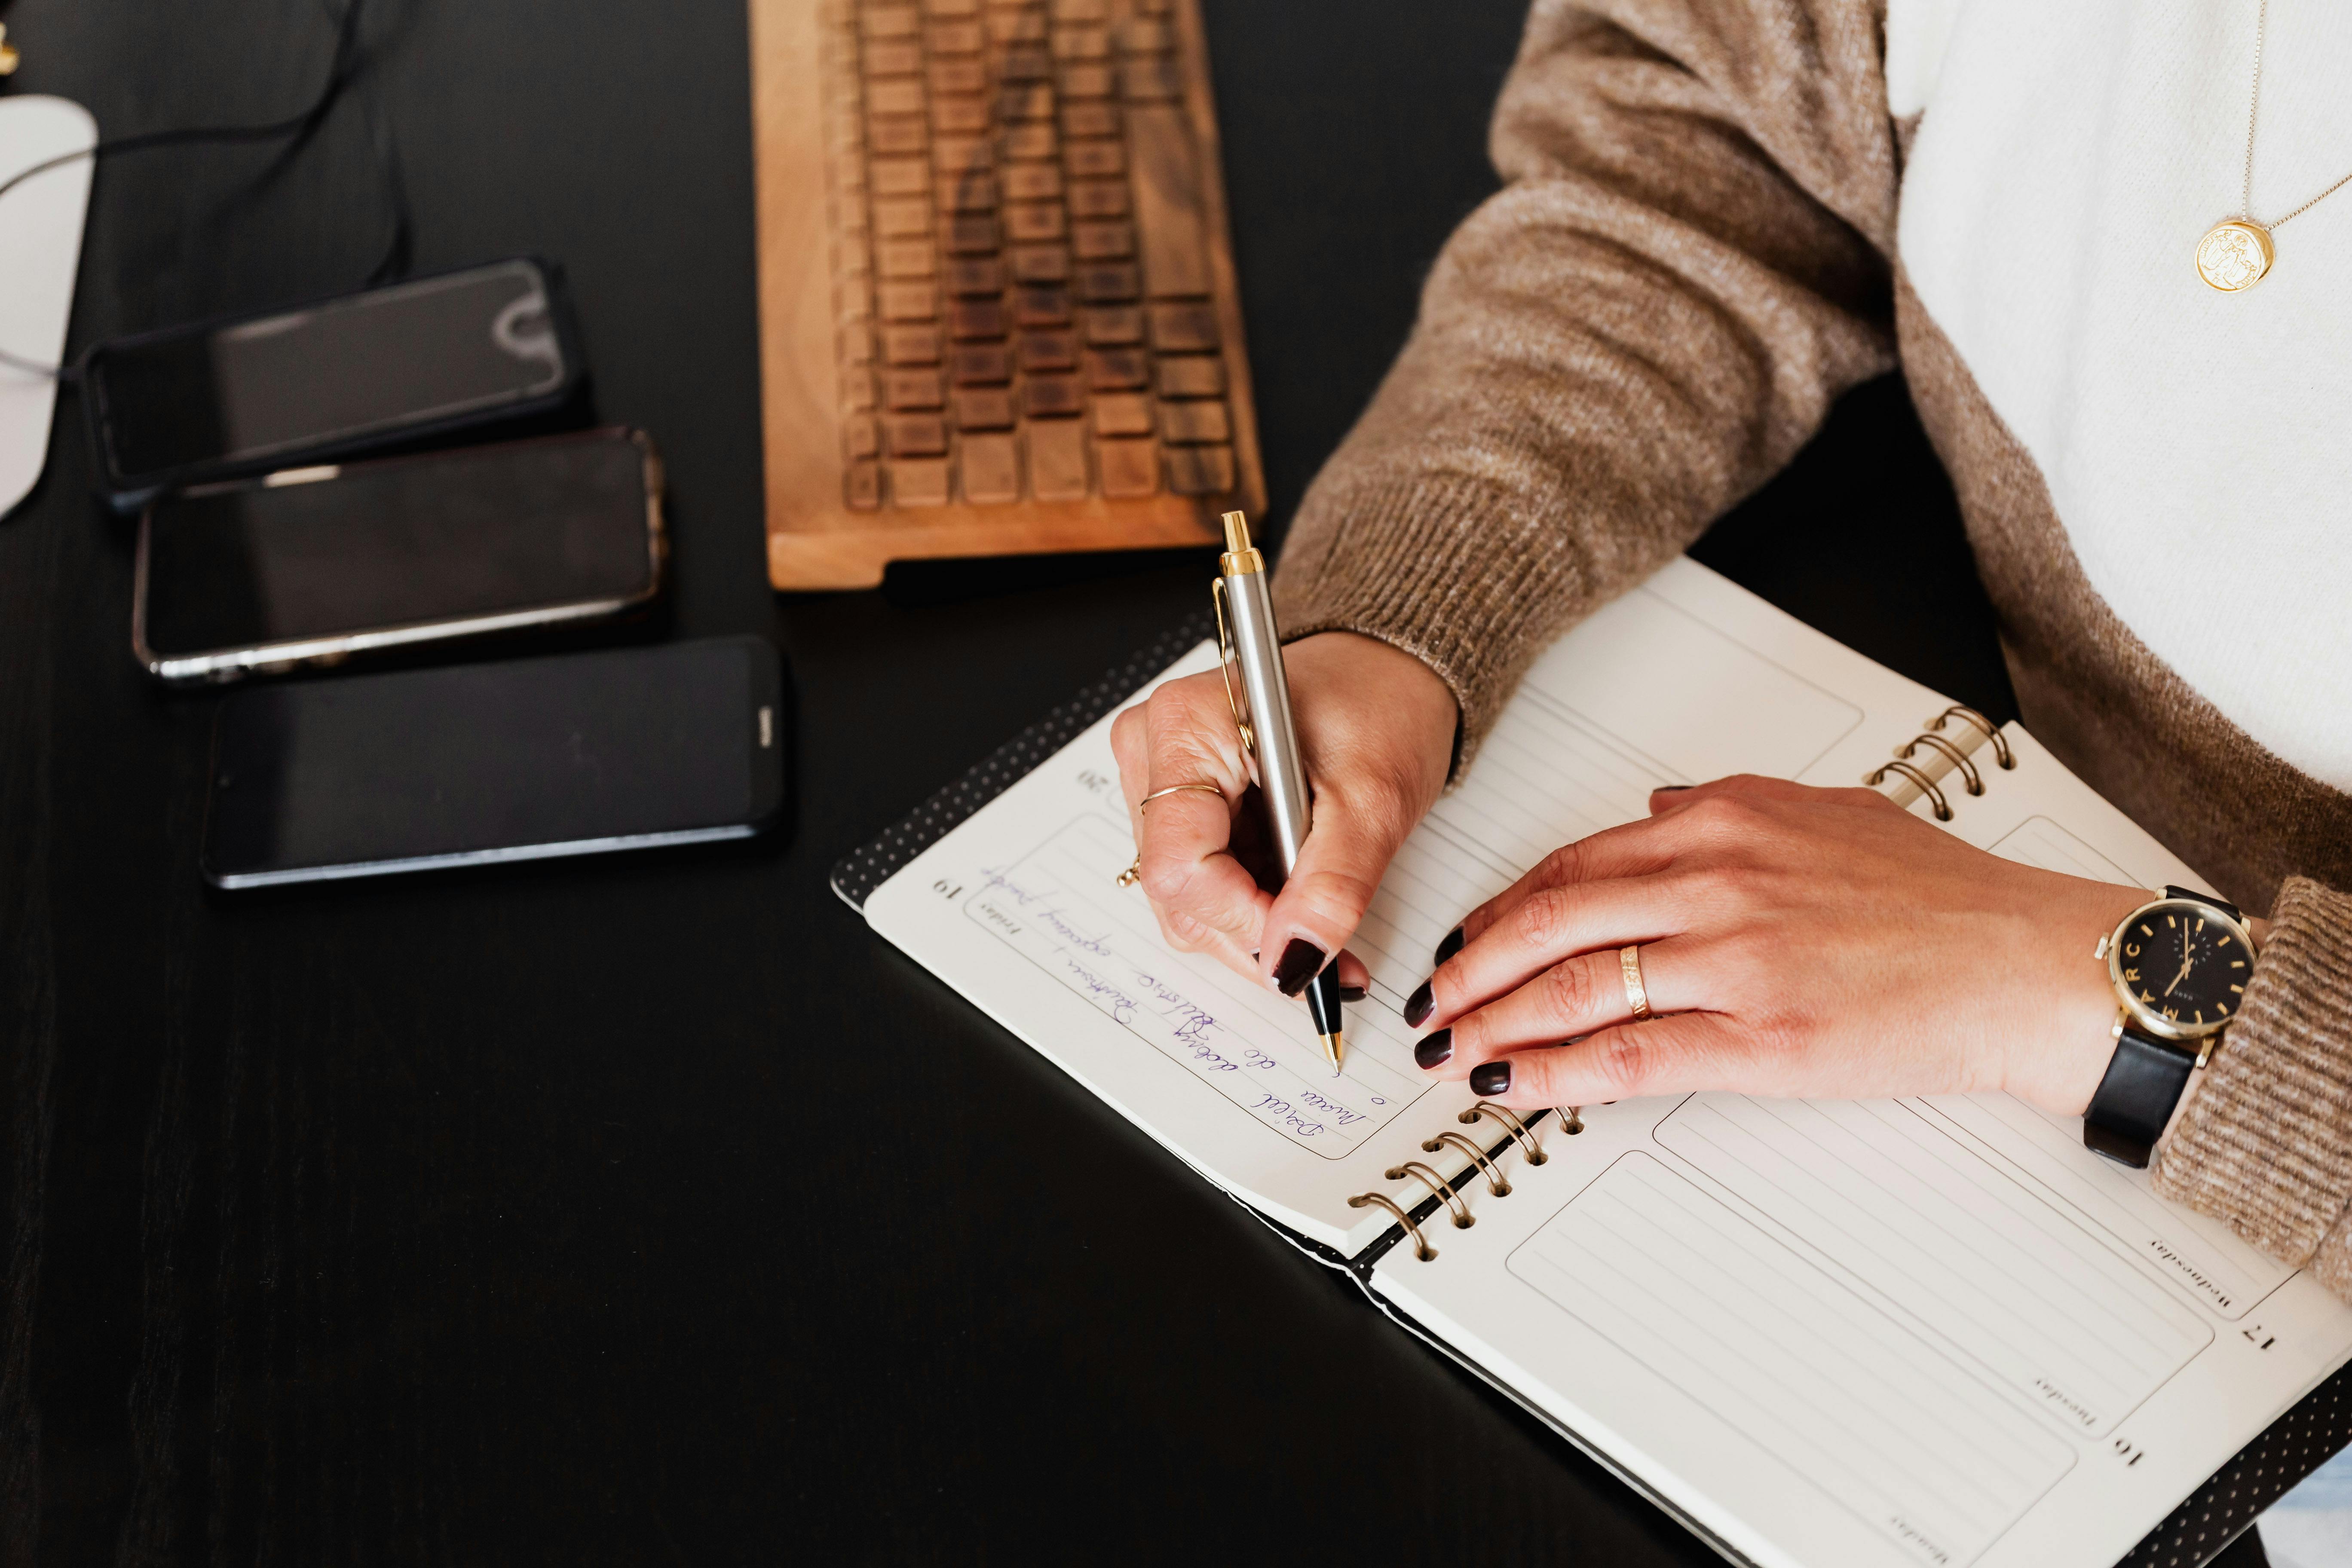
(2184, 966)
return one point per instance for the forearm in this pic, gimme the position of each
(2266, 1141)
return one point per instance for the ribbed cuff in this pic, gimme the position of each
(1446, 568)
(2267, 1142)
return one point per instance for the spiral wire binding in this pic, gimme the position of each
(1933, 736)
(1482, 1162)
(1977, 721)
(1494, 1172)
(1421, 1247)
(1517, 1129)
(1428, 1177)
(1975, 780)
(1926, 785)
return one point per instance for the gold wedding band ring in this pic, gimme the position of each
(1179, 789)
(1637, 995)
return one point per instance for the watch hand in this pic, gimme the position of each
(2186, 958)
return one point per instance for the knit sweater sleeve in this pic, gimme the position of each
(1689, 260)
(2266, 1143)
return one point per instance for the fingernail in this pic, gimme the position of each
(1420, 1004)
(1451, 945)
(1490, 1078)
(1668, 789)
(1301, 961)
(1352, 992)
(1436, 1050)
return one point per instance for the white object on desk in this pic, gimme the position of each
(40, 250)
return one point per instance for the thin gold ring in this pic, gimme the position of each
(1132, 875)
(1179, 789)
(1637, 995)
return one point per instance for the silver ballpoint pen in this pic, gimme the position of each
(1247, 636)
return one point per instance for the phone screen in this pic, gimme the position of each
(303, 380)
(475, 533)
(481, 762)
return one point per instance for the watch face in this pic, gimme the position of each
(2184, 966)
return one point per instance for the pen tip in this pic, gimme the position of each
(1237, 537)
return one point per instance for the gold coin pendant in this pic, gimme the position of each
(2234, 255)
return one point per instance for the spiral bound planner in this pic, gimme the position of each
(1930, 1331)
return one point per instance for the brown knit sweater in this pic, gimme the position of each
(1695, 253)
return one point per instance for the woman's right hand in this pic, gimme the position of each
(1375, 733)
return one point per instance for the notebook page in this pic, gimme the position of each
(1686, 679)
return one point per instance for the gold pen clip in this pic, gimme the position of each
(1227, 654)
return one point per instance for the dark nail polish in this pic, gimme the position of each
(1301, 961)
(1420, 1004)
(1668, 789)
(1352, 992)
(1490, 1078)
(1451, 945)
(1436, 1050)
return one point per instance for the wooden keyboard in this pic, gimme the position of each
(997, 304)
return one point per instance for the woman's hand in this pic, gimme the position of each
(1376, 731)
(1798, 941)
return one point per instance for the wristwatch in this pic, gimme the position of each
(2180, 966)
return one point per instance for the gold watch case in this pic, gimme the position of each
(2121, 948)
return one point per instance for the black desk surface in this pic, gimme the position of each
(649, 1209)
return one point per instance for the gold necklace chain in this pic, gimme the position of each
(2236, 253)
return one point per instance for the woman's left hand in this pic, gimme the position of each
(1796, 941)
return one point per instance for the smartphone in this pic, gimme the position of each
(246, 394)
(474, 765)
(312, 565)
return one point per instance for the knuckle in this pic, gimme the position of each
(1544, 918)
(1624, 1060)
(1565, 864)
(1569, 992)
(1166, 875)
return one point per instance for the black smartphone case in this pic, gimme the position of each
(128, 492)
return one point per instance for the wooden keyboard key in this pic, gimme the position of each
(916, 435)
(971, 234)
(1130, 470)
(1025, 64)
(981, 364)
(1109, 282)
(1052, 397)
(856, 345)
(1042, 306)
(1146, 38)
(895, 96)
(856, 390)
(1031, 100)
(1122, 414)
(1080, 10)
(958, 76)
(1087, 81)
(1169, 210)
(1081, 120)
(1105, 241)
(904, 257)
(1028, 222)
(1183, 328)
(973, 191)
(903, 390)
(1033, 182)
(955, 155)
(1200, 470)
(901, 133)
(902, 217)
(918, 481)
(1098, 198)
(861, 486)
(991, 470)
(1151, 79)
(1041, 264)
(899, 176)
(893, 59)
(1048, 351)
(891, 21)
(1029, 141)
(1107, 326)
(1058, 461)
(1094, 159)
(960, 116)
(1192, 375)
(976, 319)
(955, 38)
(969, 275)
(1196, 424)
(859, 437)
(1016, 28)
(1118, 370)
(983, 408)
(1081, 43)
(911, 345)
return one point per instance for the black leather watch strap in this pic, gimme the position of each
(2144, 1080)
(2223, 905)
